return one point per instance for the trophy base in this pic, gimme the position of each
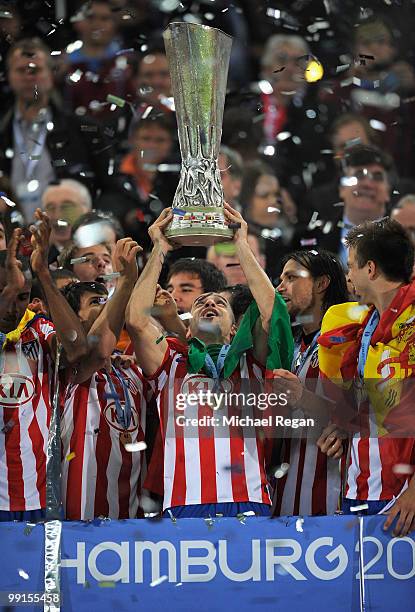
(198, 236)
(198, 226)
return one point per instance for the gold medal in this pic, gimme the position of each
(125, 437)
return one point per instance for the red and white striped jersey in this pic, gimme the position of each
(370, 474)
(209, 463)
(312, 483)
(25, 410)
(99, 476)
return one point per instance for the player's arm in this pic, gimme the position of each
(105, 331)
(149, 345)
(15, 279)
(258, 282)
(67, 324)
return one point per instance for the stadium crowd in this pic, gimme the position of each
(103, 319)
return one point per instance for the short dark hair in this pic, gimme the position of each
(212, 279)
(62, 273)
(323, 263)
(74, 291)
(363, 155)
(253, 170)
(235, 161)
(346, 119)
(161, 119)
(240, 298)
(388, 244)
(95, 216)
(29, 46)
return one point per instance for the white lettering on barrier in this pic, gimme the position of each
(123, 552)
(78, 563)
(391, 569)
(339, 553)
(253, 573)
(187, 562)
(285, 559)
(155, 549)
(371, 562)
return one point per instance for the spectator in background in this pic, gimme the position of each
(365, 192)
(189, 278)
(283, 121)
(348, 130)
(151, 82)
(99, 67)
(264, 204)
(375, 38)
(51, 143)
(380, 88)
(404, 213)
(64, 202)
(90, 263)
(151, 141)
(231, 168)
(96, 25)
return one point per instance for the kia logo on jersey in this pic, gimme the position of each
(15, 389)
(197, 383)
(110, 415)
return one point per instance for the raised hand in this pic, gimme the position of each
(40, 242)
(14, 275)
(125, 259)
(233, 217)
(156, 231)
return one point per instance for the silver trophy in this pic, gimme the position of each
(198, 59)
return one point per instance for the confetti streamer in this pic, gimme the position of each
(29, 528)
(403, 468)
(135, 447)
(359, 508)
(120, 102)
(23, 574)
(159, 581)
(282, 470)
(173, 518)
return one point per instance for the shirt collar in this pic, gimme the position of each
(43, 117)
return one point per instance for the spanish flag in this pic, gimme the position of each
(390, 361)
